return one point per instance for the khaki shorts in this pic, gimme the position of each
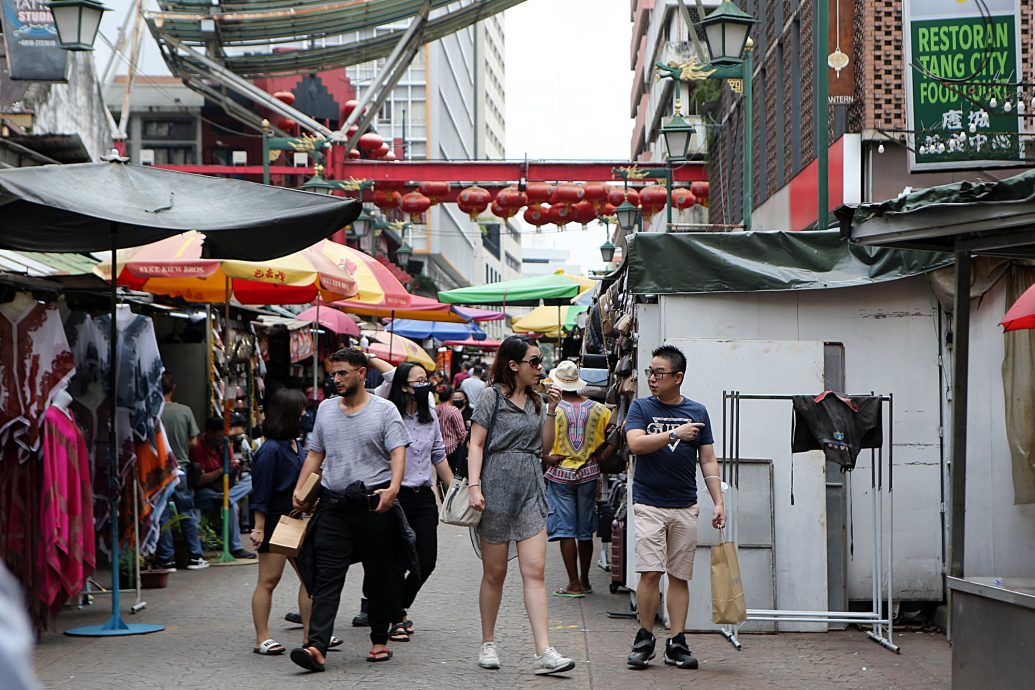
(666, 540)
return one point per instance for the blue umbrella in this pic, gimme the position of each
(439, 330)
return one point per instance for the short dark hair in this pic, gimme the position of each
(477, 371)
(284, 414)
(350, 355)
(675, 357)
(214, 424)
(445, 392)
(168, 383)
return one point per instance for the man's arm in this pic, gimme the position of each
(313, 463)
(710, 469)
(642, 443)
(398, 461)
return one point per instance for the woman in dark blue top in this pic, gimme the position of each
(275, 468)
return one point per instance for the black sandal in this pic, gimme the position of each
(398, 633)
(302, 657)
(409, 626)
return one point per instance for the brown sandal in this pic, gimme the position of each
(378, 655)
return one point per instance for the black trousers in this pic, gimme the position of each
(343, 536)
(422, 514)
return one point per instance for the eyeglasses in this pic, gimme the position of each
(534, 362)
(343, 373)
(418, 382)
(657, 374)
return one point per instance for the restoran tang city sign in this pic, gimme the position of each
(961, 56)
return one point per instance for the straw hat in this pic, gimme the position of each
(566, 377)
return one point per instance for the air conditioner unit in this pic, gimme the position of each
(147, 156)
(240, 157)
(301, 160)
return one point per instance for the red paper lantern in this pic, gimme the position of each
(511, 197)
(567, 194)
(285, 97)
(382, 151)
(370, 142)
(354, 154)
(501, 211)
(538, 192)
(607, 210)
(596, 193)
(652, 199)
(415, 204)
(347, 109)
(390, 156)
(285, 124)
(583, 212)
(473, 200)
(561, 215)
(537, 215)
(700, 190)
(435, 191)
(387, 199)
(683, 198)
(616, 196)
(351, 131)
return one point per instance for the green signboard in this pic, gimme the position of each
(961, 59)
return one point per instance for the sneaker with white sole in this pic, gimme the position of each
(552, 662)
(197, 564)
(488, 657)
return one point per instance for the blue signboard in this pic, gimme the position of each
(33, 53)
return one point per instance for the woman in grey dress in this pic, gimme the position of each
(506, 485)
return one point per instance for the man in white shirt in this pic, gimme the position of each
(472, 386)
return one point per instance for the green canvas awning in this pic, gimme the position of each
(556, 288)
(681, 263)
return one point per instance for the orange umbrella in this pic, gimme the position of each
(176, 267)
(418, 309)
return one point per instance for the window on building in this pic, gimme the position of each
(795, 48)
(491, 238)
(512, 262)
(168, 129)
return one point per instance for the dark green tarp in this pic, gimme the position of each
(675, 263)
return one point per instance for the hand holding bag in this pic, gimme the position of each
(728, 605)
(456, 506)
(290, 533)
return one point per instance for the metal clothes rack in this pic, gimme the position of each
(881, 623)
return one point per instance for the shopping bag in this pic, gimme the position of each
(728, 606)
(310, 489)
(290, 533)
(456, 506)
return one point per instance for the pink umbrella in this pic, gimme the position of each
(487, 344)
(331, 319)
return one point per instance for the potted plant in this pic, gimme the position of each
(158, 578)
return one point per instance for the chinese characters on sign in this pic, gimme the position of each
(960, 60)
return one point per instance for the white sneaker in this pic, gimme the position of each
(552, 662)
(197, 564)
(488, 657)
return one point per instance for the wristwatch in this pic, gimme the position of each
(672, 438)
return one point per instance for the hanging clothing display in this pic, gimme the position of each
(838, 425)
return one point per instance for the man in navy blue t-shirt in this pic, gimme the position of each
(670, 435)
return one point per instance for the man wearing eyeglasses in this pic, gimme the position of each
(669, 434)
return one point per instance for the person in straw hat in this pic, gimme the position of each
(571, 478)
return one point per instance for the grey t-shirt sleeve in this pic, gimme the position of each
(316, 443)
(193, 429)
(482, 414)
(395, 432)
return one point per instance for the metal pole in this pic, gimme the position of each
(115, 622)
(265, 156)
(748, 114)
(958, 469)
(226, 556)
(822, 135)
(316, 350)
(668, 190)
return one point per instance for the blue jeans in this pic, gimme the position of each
(183, 499)
(208, 499)
(573, 510)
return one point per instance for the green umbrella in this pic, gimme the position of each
(556, 288)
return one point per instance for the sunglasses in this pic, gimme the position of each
(534, 362)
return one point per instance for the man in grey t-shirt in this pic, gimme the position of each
(359, 440)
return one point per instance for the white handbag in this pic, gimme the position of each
(456, 506)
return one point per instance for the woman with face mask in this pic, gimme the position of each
(407, 386)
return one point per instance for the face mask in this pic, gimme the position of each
(422, 389)
(459, 403)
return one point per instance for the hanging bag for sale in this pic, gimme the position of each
(728, 605)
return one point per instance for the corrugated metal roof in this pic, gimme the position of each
(44, 264)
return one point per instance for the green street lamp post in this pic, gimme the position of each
(77, 22)
(607, 251)
(730, 57)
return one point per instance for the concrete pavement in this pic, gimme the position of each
(208, 640)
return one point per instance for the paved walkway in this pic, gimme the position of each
(208, 641)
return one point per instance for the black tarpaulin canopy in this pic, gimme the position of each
(74, 208)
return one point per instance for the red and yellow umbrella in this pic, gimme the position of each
(374, 282)
(176, 267)
(400, 349)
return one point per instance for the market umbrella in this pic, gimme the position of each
(480, 315)
(177, 267)
(94, 207)
(544, 320)
(556, 288)
(487, 344)
(422, 330)
(374, 282)
(331, 319)
(418, 308)
(1022, 314)
(400, 349)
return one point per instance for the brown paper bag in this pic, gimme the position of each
(728, 606)
(310, 489)
(290, 533)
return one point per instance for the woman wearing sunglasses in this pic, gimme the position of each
(506, 485)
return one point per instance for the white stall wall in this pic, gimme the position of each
(1000, 536)
(889, 334)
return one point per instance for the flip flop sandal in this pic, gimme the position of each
(571, 595)
(335, 642)
(398, 633)
(379, 656)
(302, 657)
(270, 647)
(409, 626)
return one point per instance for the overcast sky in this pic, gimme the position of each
(567, 90)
